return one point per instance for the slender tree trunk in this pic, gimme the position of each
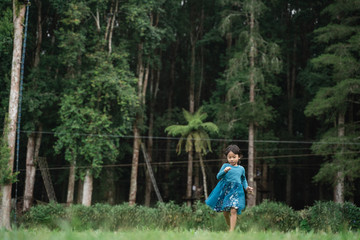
(204, 176)
(148, 183)
(18, 19)
(339, 179)
(192, 77)
(71, 184)
(251, 199)
(108, 24)
(134, 166)
(189, 178)
(28, 196)
(196, 184)
(112, 25)
(88, 189)
(136, 130)
(80, 191)
(39, 35)
(33, 149)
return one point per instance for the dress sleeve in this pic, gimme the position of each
(243, 180)
(221, 173)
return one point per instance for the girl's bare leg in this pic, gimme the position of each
(233, 218)
(227, 218)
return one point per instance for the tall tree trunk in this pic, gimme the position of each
(112, 25)
(39, 34)
(108, 24)
(28, 196)
(136, 130)
(135, 164)
(88, 189)
(18, 19)
(71, 183)
(339, 179)
(192, 75)
(80, 191)
(204, 176)
(189, 178)
(251, 199)
(148, 183)
(153, 91)
(33, 149)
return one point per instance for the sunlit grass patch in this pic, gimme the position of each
(174, 235)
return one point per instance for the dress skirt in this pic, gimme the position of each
(227, 195)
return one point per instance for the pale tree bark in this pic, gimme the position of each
(18, 19)
(339, 178)
(135, 165)
(108, 24)
(28, 196)
(204, 176)
(136, 130)
(71, 183)
(154, 87)
(88, 189)
(33, 149)
(112, 25)
(251, 198)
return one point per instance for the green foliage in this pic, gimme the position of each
(339, 62)
(165, 216)
(195, 133)
(47, 216)
(269, 216)
(337, 97)
(331, 216)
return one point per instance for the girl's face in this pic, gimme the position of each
(233, 158)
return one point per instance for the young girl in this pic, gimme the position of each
(228, 196)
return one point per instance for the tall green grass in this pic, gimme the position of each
(173, 235)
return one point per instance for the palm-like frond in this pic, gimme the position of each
(195, 133)
(176, 130)
(210, 127)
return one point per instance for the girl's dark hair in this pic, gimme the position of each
(233, 148)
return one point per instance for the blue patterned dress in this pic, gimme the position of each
(229, 192)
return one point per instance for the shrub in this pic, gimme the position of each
(269, 216)
(323, 216)
(44, 215)
(331, 216)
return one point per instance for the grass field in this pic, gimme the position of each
(173, 235)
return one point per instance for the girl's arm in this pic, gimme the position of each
(221, 173)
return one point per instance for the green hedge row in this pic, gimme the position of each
(273, 216)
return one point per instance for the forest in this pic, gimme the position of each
(135, 100)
